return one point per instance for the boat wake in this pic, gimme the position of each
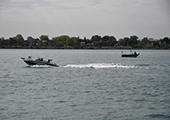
(99, 65)
(40, 66)
(104, 65)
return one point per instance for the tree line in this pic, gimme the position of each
(96, 41)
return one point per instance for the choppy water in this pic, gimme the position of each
(88, 85)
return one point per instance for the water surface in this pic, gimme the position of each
(88, 85)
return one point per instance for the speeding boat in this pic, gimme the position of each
(131, 55)
(38, 61)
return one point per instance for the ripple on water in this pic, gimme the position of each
(157, 116)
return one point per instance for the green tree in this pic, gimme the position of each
(2, 38)
(79, 39)
(105, 38)
(133, 41)
(19, 39)
(96, 38)
(32, 39)
(121, 42)
(44, 37)
(110, 39)
(75, 39)
(125, 40)
(166, 40)
(143, 43)
(63, 39)
(84, 39)
(12, 41)
(113, 40)
(69, 42)
(54, 38)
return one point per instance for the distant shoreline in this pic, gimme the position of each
(83, 48)
(96, 42)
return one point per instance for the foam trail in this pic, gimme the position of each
(40, 66)
(99, 65)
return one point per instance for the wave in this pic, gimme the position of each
(99, 65)
(143, 65)
(151, 66)
(160, 116)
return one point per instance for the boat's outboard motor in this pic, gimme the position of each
(23, 58)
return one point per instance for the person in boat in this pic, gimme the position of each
(49, 60)
(135, 53)
(29, 57)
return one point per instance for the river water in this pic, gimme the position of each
(88, 85)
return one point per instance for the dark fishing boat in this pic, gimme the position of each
(131, 55)
(38, 61)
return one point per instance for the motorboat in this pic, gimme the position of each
(131, 55)
(38, 61)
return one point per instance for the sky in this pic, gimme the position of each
(85, 18)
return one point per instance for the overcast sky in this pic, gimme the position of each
(85, 18)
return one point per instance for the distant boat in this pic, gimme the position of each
(38, 61)
(131, 55)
